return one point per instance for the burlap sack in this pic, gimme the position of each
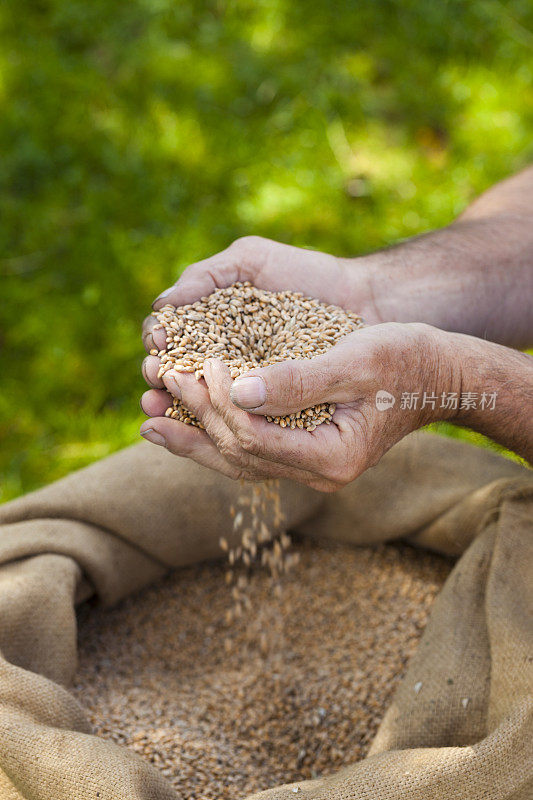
(461, 724)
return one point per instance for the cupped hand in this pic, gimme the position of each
(273, 266)
(399, 359)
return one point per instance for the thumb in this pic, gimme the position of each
(239, 262)
(291, 386)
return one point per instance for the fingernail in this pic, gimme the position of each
(147, 334)
(154, 437)
(248, 392)
(163, 295)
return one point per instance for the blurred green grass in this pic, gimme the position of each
(140, 135)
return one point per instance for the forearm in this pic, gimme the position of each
(494, 388)
(473, 277)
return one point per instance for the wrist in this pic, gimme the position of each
(439, 368)
(393, 287)
(361, 283)
(495, 385)
(413, 373)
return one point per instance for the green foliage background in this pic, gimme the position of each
(137, 136)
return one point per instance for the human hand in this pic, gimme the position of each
(239, 442)
(273, 266)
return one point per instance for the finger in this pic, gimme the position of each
(153, 340)
(191, 442)
(188, 441)
(195, 397)
(320, 453)
(150, 368)
(241, 261)
(155, 402)
(201, 279)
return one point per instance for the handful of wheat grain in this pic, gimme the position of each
(247, 327)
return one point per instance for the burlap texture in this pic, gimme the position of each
(461, 724)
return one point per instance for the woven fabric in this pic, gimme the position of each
(461, 722)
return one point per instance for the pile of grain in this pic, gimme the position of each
(247, 327)
(154, 674)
